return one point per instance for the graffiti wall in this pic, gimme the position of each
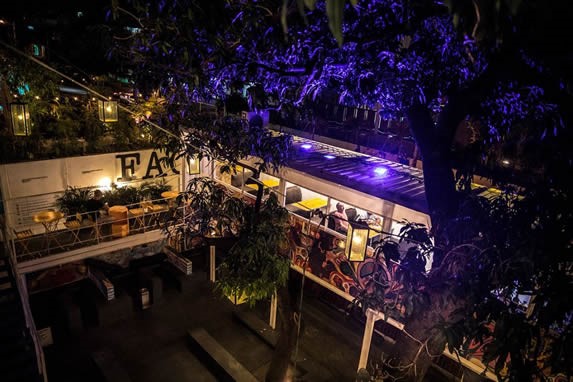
(322, 254)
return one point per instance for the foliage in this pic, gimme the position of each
(174, 55)
(153, 190)
(73, 200)
(438, 67)
(258, 264)
(214, 212)
(59, 121)
(122, 196)
(500, 251)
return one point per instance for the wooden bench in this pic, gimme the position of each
(222, 363)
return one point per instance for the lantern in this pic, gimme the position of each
(193, 165)
(356, 241)
(107, 111)
(21, 124)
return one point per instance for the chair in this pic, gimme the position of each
(76, 225)
(137, 217)
(331, 223)
(351, 213)
(22, 237)
(239, 179)
(293, 194)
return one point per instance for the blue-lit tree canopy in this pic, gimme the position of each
(496, 66)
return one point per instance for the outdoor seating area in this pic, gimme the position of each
(54, 232)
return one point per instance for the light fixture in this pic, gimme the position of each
(356, 241)
(380, 171)
(107, 111)
(21, 124)
(193, 165)
(306, 146)
(328, 156)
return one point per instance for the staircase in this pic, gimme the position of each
(18, 360)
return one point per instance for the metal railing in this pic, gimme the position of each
(70, 232)
(30, 324)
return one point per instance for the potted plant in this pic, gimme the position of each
(73, 201)
(122, 196)
(153, 190)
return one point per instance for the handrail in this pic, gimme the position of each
(143, 210)
(30, 324)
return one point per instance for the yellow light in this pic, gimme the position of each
(75, 98)
(37, 97)
(104, 183)
(21, 117)
(356, 240)
(108, 109)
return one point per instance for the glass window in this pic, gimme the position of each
(305, 202)
(237, 179)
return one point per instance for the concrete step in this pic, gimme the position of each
(307, 370)
(222, 363)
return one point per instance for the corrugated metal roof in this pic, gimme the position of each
(400, 184)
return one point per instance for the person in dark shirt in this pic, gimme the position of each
(95, 204)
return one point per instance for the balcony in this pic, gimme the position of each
(56, 239)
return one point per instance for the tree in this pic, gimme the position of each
(414, 63)
(179, 45)
(438, 67)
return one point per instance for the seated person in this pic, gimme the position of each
(95, 204)
(340, 218)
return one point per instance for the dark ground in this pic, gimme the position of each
(151, 345)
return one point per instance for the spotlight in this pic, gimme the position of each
(381, 171)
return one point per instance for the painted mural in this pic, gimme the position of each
(322, 254)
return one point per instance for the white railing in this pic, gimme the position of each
(30, 324)
(62, 233)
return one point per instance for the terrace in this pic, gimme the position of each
(57, 238)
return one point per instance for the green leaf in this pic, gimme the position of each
(310, 4)
(335, 13)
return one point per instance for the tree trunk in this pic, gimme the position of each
(435, 143)
(281, 369)
(422, 327)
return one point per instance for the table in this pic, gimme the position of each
(267, 183)
(375, 230)
(49, 219)
(310, 204)
(170, 196)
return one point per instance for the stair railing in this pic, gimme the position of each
(24, 300)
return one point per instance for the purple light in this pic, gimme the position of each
(328, 156)
(381, 171)
(306, 146)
